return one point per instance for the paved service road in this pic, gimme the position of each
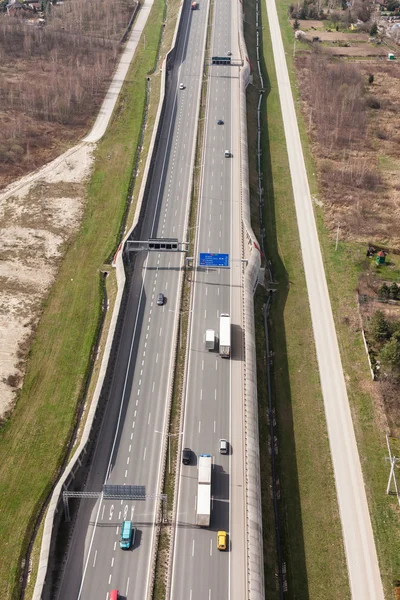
(129, 448)
(362, 562)
(200, 571)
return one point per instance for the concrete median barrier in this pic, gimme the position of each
(255, 561)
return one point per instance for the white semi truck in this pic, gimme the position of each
(225, 336)
(203, 511)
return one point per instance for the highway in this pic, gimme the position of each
(362, 561)
(200, 571)
(129, 446)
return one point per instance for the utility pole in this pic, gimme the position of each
(337, 237)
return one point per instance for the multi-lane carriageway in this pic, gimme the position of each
(212, 408)
(129, 448)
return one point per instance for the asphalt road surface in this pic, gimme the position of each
(129, 450)
(200, 570)
(362, 561)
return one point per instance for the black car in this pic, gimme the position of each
(186, 456)
(220, 122)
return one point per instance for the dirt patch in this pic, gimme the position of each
(305, 24)
(338, 36)
(38, 216)
(364, 50)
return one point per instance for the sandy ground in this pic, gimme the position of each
(38, 215)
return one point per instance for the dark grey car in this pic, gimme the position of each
(186, 456)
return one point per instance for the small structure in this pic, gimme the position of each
(381, 258)
(391, 56)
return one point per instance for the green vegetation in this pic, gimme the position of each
(34, 441)
(343, 268)
(310, 525)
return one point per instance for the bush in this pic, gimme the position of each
(383, 291)
(379, 327)
(373, 31)
(381, 134)
(370, 79)
(394, 291)
(373, 102)
(390, 355)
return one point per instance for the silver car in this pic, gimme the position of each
(160, 299)
(223, 446)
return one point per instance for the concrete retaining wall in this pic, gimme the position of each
(255, 562)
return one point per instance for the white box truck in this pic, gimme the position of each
(209, 339)
(225, 336)
(203, 509)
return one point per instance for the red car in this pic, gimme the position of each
(114, 595)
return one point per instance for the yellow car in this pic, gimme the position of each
(221, 540)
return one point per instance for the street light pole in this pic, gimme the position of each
(169, 454)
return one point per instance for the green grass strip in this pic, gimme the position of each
(342, 269)
(34, 440)
(310, 525)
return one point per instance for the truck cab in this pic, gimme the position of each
(209, 339)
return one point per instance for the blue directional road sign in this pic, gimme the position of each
(214, 260)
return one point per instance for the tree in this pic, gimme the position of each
(391, 6)
(370, 79)
(374, 30)
(395, 330)
(379, 327)
(394, 291)
(296, 24)
(303, 11)
(383, 291)
(390, 355)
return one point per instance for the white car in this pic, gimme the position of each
(181, 86)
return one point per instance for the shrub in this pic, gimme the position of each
(383, 291)
(373, 102)
(390, 355)
(379, 327)
(382, 134)
(394, 292)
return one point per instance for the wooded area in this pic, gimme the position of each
(54, 75)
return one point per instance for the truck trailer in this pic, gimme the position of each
(225, 336)
(203, 510)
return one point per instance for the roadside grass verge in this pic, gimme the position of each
(343, 268)
(35, 440)
(310, 526)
